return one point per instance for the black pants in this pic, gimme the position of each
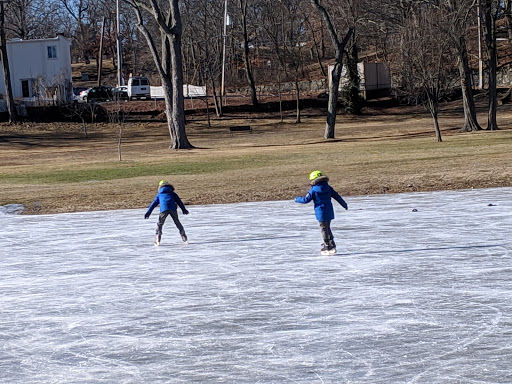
(161, 221)
(327, 237)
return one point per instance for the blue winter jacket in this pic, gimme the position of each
(321, 195)
(167, 199)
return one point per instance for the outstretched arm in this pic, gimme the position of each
(304, 200)
(180, 204)
(339, 199)
(152, 206)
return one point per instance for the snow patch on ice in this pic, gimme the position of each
(11, 209)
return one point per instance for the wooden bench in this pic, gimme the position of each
(240, 128)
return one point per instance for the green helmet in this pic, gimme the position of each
(162, 183)
(315, 175)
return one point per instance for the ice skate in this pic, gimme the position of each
(157, 240)
(324, 250)
(327, 250)
(184, 238)
(332, 247)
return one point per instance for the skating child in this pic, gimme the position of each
(321, 193)
(168, 201)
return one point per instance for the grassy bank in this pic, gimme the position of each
(76, 174)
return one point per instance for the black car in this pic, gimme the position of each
(98, 94)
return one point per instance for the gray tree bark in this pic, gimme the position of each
(177, 116)
(339, 48)
(470, 120)
(11, 107)
(489, 13)
(169, 64)
(247, 63)
(433, 106)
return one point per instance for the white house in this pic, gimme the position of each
(374, 79)
(40, 69)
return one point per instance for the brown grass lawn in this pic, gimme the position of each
(52, 168)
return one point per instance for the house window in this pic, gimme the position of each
(52, 51)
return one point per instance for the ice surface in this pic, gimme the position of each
(412, 297)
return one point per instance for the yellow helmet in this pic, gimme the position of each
(162, 183)
(315, 175)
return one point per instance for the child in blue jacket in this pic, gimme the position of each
(168, 201)
(321, 193)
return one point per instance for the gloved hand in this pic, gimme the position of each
(185, 212)
(146, 216)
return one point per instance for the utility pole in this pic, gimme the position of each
(118, 41)
(11, 108)
(101, 52)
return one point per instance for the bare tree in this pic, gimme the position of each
(134, 48)
(427, 60)
(489, 11)
(285, 31)
(32, 19)
(456, 14)
(203, 40)
(11, 108)
(116, 118)
(389, 17)
(78, 111)
(507, 13)
(318, 47)
(78, 10)
(339, 50)
(243, 6)
(168, 61)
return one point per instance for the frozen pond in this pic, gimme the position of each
(411, 297)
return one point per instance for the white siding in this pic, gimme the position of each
(28, 59)
(373, 76)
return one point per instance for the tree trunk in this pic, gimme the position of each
(490, 42)
(11, 107)
(280, 95)
(179, 138)
(168, 97)
(436, 127)
(172, 78)
(221, 101)
(215, 100)
(470, 120)
(334, 85)
(297, 95)
(492, 123)
(433, 107)
(119, 141)
(332, 105)
(247, 62)
(207, 99)
(507, 10)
